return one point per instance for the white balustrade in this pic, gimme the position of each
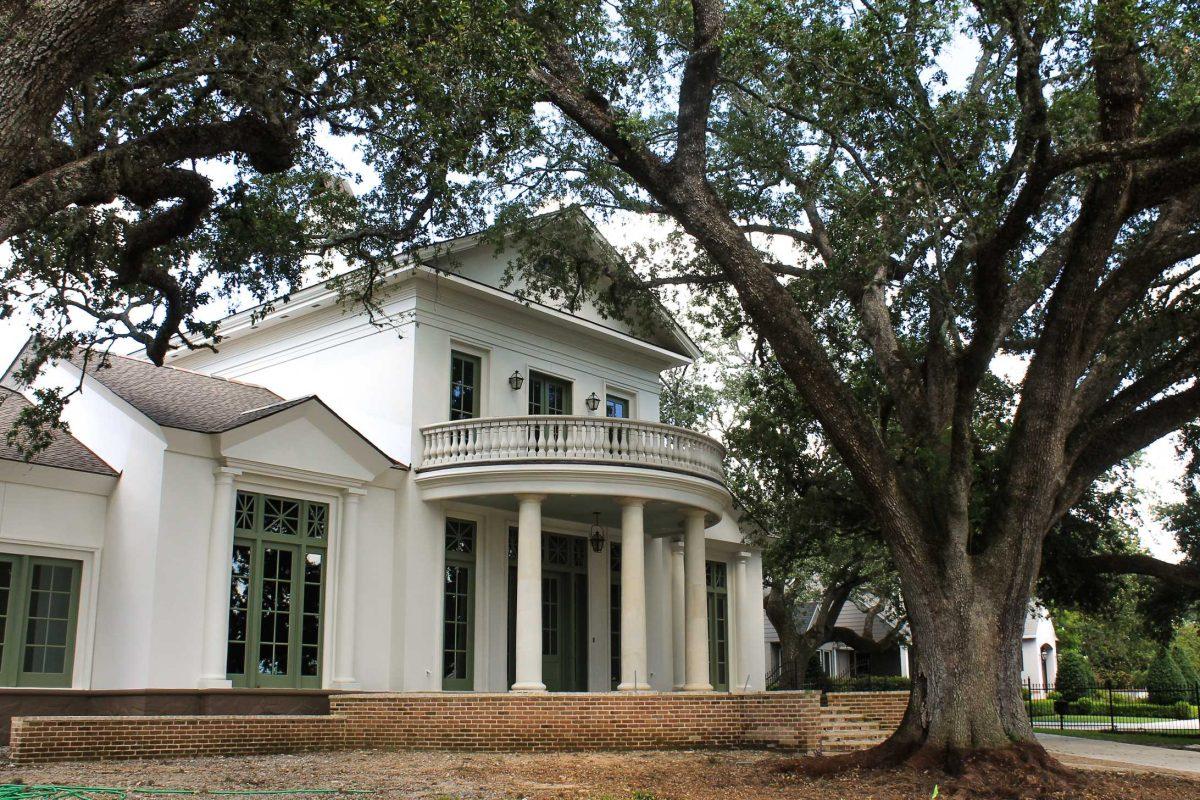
(596, 440)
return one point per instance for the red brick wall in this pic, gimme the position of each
(103, 738)
(441, 721)
(886, 708)
(578, 721)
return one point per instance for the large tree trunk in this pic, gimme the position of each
(47, 47)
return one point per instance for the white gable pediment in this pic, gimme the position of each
(306, 438)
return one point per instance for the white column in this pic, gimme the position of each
(347, 580)
(529, 594)
(678, 641)
(745, 623)
(695, 605)
(634, 662)
(216, 583)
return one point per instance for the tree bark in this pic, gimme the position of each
(48, 47)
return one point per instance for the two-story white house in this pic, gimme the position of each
(476, 496)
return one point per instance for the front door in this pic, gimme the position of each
(564, 612)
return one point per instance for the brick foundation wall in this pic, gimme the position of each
(579, 721)
(102, 738)
(886, 708)
(440, 722)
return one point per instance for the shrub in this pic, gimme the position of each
(1184, 710)
(1164, 682)
(1075, 676)
(1186, 668)
(1086, 706)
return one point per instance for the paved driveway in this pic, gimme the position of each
(1100, 754)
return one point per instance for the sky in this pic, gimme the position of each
(1158, 468)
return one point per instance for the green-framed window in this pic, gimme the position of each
(277, 592)
(39, 609)
(548, 395)
(458, 600)
(716, 576)
(614, 614)
(616, 406)
(465, 385)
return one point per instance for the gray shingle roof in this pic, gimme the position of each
(65, 451)
(180, 398)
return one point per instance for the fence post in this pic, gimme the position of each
(1196, 697)
(1029, 700)
(1112, 718)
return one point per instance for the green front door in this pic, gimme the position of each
(276, 592)
(564, 612)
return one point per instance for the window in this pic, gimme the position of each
(39, 603)
(276, 592)
(465, 371)
(716, 576)
(616, 406)
(614, 614)
(458, 600)
(548, 395)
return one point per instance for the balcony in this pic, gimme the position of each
(564, 440)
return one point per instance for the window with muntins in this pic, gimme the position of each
(465, 371)
(717, 577)
(458, 602)
(39, 607)
(277, 592)
(548, 395)
(614, 614)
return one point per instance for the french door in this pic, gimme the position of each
(277, 587)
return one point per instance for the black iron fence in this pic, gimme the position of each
(1165, 710)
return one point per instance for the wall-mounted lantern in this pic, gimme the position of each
(516, 380)
(593, 402)
(596, 536)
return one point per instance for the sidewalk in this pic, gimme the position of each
(1099, 754)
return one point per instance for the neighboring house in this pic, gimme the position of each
(477, 495)
(1039, 648)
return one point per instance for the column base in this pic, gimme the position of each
(634, 687)
(697, 687)
(528, 688)
(213, 682)
(344, 683)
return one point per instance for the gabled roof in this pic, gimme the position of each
(179, 398)
(64, 451)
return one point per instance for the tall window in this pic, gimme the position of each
(548, 395)
(458, 600)
(616, 406)
(39, 602)
(716, 576)
(465, 371)
(614, 614)
(276, 592)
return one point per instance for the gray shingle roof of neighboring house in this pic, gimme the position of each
(180, 398)
(64, 451)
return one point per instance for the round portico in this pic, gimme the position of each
(643, 479)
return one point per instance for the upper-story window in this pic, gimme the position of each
(616, 406)
(465, 371)
(548, 395)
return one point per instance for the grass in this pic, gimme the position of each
(1150, 739)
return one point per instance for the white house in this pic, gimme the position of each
(477, 495)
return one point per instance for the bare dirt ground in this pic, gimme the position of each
(551, 776)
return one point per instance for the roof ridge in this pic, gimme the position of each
(235, 381)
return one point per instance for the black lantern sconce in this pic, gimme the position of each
(596, 536)
(516, 380)
(592, 402)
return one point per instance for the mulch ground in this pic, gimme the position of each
(619, 776)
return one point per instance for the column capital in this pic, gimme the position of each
(530, 498)
(677, 544)
(743, 556)
(354, 493)
(224, 474)
(694, 513)
(630, 501)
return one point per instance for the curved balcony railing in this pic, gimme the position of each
(584, 440)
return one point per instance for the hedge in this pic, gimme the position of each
(1098, 707)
